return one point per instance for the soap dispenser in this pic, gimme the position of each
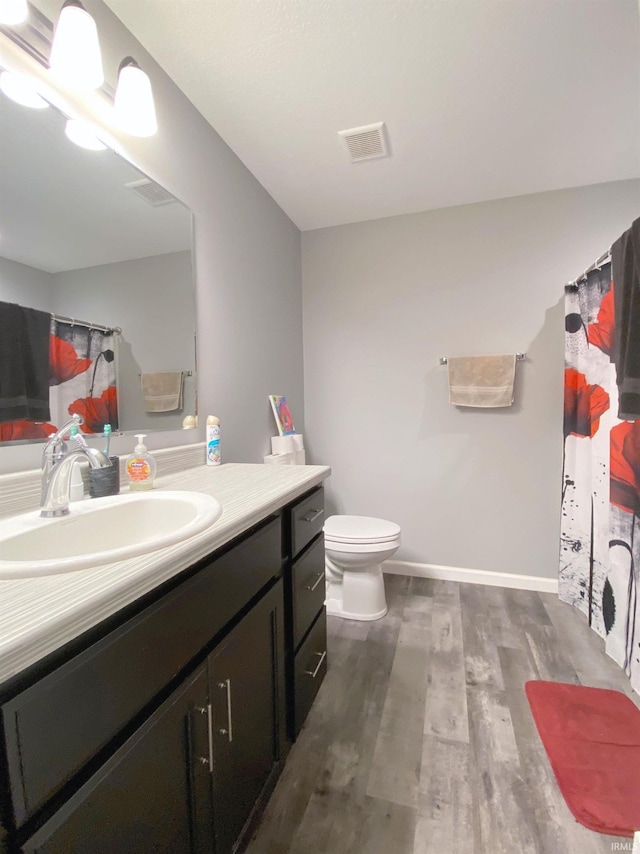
(140, 466)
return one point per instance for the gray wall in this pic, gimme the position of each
(247, 261)
(382, 301)
(25, 285)
(152, 300)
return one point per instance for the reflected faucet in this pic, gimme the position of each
(57, 462)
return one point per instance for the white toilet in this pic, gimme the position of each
(355, 547)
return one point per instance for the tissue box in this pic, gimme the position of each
(286, 451)
(286, 444)
(280, 459)
(293, 458)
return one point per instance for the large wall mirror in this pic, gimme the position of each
(86, 237)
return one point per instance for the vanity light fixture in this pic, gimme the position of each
(18, 88)
(83, 135)
(134, 108)
(75, 50)
(13, 12)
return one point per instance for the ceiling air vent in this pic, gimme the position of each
(151, 192)
(366, 142)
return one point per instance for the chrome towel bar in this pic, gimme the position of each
(520, 357)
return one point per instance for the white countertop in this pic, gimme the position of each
(38, 615)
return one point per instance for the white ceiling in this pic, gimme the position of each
(482, 99)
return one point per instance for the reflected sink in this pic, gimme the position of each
(102, 530)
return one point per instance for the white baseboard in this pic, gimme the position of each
(472, 576)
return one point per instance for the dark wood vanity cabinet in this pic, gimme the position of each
(307, 627)
(165, 731)
(152, 795)
(188, 779)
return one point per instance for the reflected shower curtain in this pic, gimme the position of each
(600, 533)
(83, 376)
(82, 379)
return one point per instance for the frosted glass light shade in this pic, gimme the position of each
(13, 12)
(134, 108)
(83, 135)
(75, 51)
(19, 89)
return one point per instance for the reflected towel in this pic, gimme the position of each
(162, 391)
(483, 381)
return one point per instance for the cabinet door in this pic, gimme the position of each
(247, 696)
(154, 794)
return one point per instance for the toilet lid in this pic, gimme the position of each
(360, 529)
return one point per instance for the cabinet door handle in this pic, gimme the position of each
(315, 583)
(226, 685)
(314, 673)
(208, 760)
(312, 515)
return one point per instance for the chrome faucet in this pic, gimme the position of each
(57, 462)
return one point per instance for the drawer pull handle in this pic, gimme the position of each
(315, 583)
(209, 759)
(226, 685)
(314, 673)
(312, 515)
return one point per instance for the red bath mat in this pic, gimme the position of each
(592, 739)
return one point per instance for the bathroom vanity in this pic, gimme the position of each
(165, 724)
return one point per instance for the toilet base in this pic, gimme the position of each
(334, 609)
(355, 592)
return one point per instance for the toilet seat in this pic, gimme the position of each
(361, 547)
(360, 530)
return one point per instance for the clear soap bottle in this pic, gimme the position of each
(140, 466)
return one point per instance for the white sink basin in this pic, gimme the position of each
(102, 530)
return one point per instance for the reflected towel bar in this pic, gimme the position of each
(520, 357)
(186, 373)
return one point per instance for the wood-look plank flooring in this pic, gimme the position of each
(421, 739)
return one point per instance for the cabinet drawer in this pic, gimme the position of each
(309, 670)
(307, 519)
(53, 728)
(308, 589)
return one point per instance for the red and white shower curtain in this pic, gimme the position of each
(600, 534)
(82, 380)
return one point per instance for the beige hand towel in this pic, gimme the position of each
(484, 381)
(162, 391)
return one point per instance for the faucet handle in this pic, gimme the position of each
(56, 445)
(75, 421)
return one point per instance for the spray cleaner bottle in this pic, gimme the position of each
(213, 440)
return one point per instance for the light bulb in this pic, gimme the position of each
(83, 135)
(13, 12)
(19, 89)
(133, 106)
(75, 51)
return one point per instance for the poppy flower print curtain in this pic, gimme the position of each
(83, 376)
(600, 533)
(82, 379)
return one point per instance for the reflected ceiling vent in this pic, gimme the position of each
(367, 142)
(151, 192)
